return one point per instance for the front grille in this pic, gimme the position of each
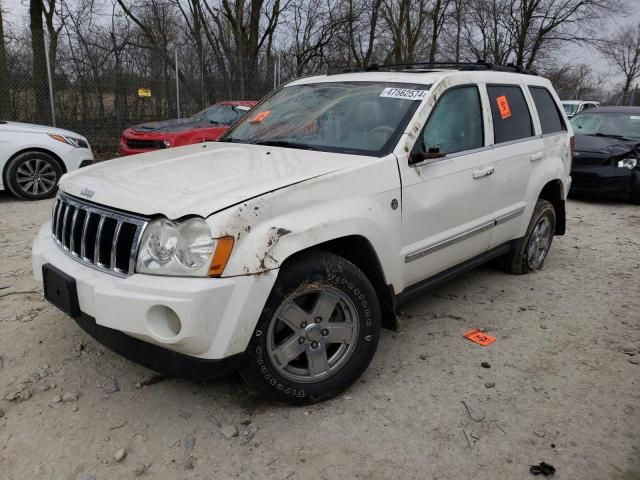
(97, 236)
(144, 144)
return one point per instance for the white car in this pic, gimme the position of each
(34, 157)
(282, 249)
(573, 107)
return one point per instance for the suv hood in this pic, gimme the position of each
(199, 179)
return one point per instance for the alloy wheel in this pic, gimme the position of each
(36, 177)
(313, 334)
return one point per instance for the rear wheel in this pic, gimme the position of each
(531, 250)
(33, 175)
(317, 333)
(634, 196)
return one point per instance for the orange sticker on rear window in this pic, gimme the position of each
(260, 116)
(477, 336)
(503, 106)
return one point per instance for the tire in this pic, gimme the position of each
(542, 227)
(634, 196)
(33, 175)
(317, 287)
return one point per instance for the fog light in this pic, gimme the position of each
(163, 322)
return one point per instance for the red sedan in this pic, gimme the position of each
(204, 126)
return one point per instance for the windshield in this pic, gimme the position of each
(364, 118)
(222, 114)
(570, 108)
(620, 125)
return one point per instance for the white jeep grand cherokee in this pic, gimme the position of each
(282, 249)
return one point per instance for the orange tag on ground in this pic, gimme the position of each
(260, 116)
(477, 336)
(503, 106)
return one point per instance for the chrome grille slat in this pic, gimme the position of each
(58, 232)
(83, 242)
(72, 233)
(97, 251)
(114, 245)
(65, 224)
(134, 248)
(54, 216)
(81, 228)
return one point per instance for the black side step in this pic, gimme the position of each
(430, 283)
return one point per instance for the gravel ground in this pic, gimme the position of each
(563, 384)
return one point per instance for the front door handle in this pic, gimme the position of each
(536, 156)
(483, 172)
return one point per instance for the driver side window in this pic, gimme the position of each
(456, 123)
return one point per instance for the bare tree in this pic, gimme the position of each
(486, 35)
(537, 24)
(575, 82)
(40, 82)
(53, 29)
(438, 15)
(5, 106)
(360, 32)
(623, 51)
(312, 26)
(244, 30)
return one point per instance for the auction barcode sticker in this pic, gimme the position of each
(405, 93)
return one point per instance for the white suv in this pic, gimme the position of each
(282, 249)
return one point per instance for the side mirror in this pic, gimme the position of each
(419, 155)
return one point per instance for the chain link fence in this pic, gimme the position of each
(100, 100)
(99, 96)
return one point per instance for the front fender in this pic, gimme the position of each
(271, 228)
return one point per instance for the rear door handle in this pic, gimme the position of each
(536, 156)
(483, 172)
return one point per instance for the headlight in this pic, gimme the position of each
(73, 141)
(182, 249)
(629, 163)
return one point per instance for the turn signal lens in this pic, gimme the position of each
(224, 246)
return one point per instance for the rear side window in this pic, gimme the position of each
(550, 118)
(511, 116)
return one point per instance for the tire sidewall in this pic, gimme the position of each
(318, 268)
(543, 208)
(15, 164)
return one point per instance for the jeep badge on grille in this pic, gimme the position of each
(87, 192)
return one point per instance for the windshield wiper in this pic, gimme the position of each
(286, 144)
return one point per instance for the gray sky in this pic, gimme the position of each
(16, 14)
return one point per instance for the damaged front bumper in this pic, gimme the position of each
(192, 320)
(604, 181)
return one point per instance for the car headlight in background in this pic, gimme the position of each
(182, 249)
(629, 163)
(73, 141)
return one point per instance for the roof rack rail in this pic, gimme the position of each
(432, 66)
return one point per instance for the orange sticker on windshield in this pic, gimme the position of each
(260, 116)
(503, 106)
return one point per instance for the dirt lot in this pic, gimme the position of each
(563, 387)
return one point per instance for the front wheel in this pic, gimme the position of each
(317, 333)
(530, 251)
(33, 175)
